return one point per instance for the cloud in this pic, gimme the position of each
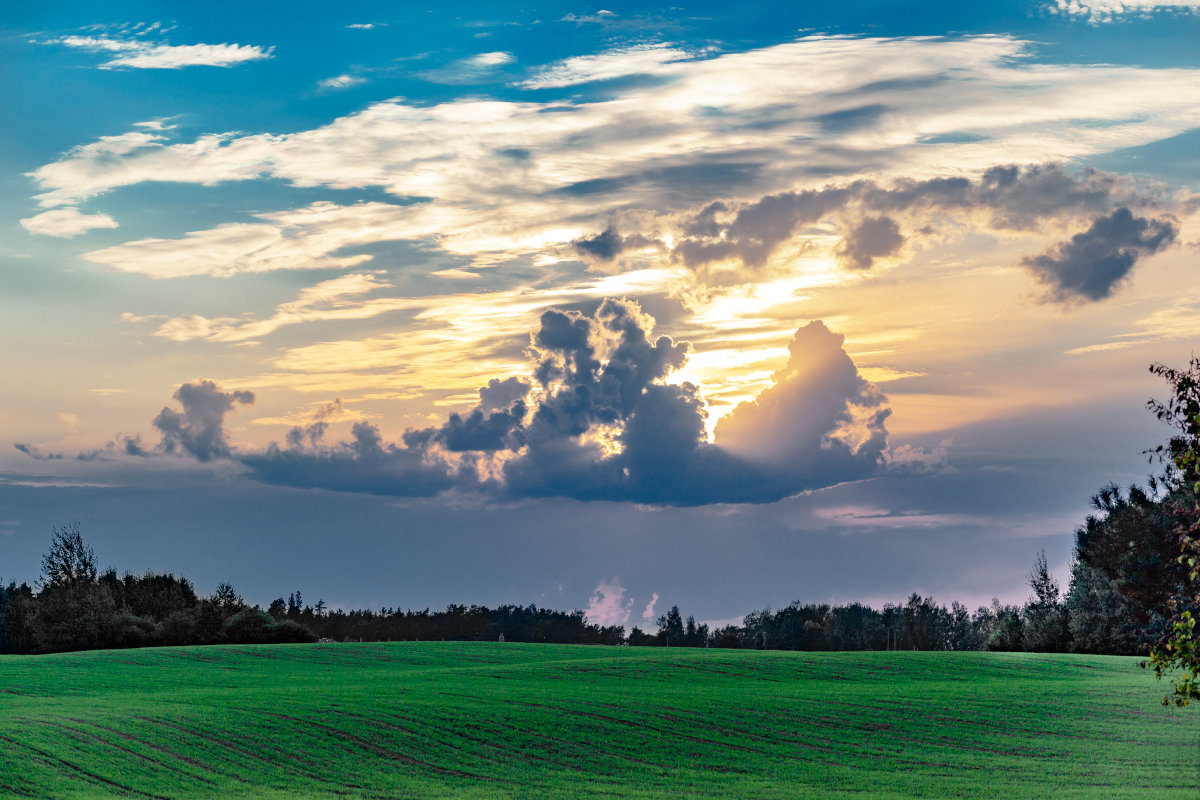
(343, 81)
(306, 238)
(907, 459)
(1106, 11)
(819, 422)
(871, 517)
(198, 431)
(479, 68)
(364, 464)
(1004, 198)
(648, 612)
(503, 175)
(619, 63)
(334, 299)
(35, 452)
(597, 421)
(874, 237)
(135, 53)
(1094, 262)
(608, 244)
(607, 605)
(366, 26)
(66, 222)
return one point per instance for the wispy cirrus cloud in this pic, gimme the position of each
(619, 63)
(340, 298)
(138, 53)
(478, 68)
(343, 81)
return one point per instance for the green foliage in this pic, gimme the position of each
(485, 721)
(252, 626)
(1179, 647)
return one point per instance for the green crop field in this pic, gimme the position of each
(480, 720)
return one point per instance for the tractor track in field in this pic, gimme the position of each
(80, 735)
(394, 755)
(165, 750)
(287, 766)
(86, 775)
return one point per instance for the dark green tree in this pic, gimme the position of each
(670, 628)
(1044, 616)
(69, 557)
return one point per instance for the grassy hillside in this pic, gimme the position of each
(482, 720)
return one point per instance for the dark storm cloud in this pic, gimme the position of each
(1094, 262)
(870, 214)
(609, 244)
(34, 452)
(599, 421)
(365, 464)
(199, 430)
(757, 229)
(874, 237)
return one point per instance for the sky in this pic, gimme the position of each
(602, 307)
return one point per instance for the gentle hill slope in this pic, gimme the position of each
(486, 720)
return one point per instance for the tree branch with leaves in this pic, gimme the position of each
(1178, 649)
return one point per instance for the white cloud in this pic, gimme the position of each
(141, 54)
(338, 298)
(366, 26)
(344, 81)
(306, 238)
(1102, 11)
(648, 612)
(607, 605)
(870, 517)
(645, 58)
(736, 125)
(479, 68)
(66, 222)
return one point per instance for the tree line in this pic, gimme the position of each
(1134, 588)
(1123, 582)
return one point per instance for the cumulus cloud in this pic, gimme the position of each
(597, 420)
(1094, 262)
(607, 605)
(819, 421)
(66, 222)
(365, 463)
(874, 237)
(135, 53)
(1004, 198)
(198, 431)
(911, 460)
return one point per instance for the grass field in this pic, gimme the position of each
(477, 720)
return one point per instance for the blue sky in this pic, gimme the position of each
(731, 306)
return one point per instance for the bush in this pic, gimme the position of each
(252, 626)
(291, 631)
